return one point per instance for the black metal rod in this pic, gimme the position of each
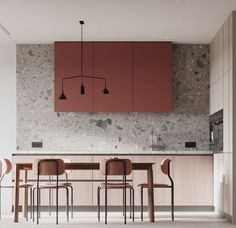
(98, 203)
(81, 76)
(141, 203)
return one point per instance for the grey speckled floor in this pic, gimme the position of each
(194, 220)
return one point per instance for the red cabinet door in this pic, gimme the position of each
(152, 77)
(67, 63)
(113, 61)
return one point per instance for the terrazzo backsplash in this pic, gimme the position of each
(112, 132)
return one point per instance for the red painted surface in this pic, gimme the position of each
(113, 60)
(139, 76)
(152, 77)
(67, 63)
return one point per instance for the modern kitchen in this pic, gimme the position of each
(112, 119)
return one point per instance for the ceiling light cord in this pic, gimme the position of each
(81, 53)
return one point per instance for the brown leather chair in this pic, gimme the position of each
(50, 167)
(6, 168)
(66, 184)
(116, 167)
(165, 168)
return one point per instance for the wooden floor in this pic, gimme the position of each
(88, 219)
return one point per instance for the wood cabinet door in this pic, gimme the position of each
(193, 178)
(113, 61)
(152, 77)
(67, 64)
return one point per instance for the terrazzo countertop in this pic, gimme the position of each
(84, 152)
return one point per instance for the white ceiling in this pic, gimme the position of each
(182, 21)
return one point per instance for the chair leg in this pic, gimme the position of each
(98, 203)
(33, 203)
(133, 202)
(37, 205)
(27, 201)
(130, 202)
(57, 205)
(105, 205)
(125, 205)
(49, 202)
(67, 204)
(141, 203)
(172, 203)
(72, 201)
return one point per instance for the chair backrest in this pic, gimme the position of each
(116, 166)
(49, 167)
(67, 160)
(5, 167)
(165, 166)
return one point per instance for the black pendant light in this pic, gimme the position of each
(82, 76)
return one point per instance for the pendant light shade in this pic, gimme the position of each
(82, 89)
(105, 91)
(62, 96)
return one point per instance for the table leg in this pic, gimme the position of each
(16, 206)
(150, 194)
(25, 196)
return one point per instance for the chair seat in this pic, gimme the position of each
(21, 186)
(144, 185)
(67, 184)
(50, 186)
(115, 185)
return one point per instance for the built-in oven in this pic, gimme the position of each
(216, 131)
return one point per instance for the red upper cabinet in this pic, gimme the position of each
(113, 61)
(152, 77)
(67, 63)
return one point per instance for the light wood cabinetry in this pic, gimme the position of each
(221, 97)
(193, 179)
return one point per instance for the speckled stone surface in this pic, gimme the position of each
(112, 132)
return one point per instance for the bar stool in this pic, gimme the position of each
(165, 168)
(6, 168)
(50, 167)
(116, 167)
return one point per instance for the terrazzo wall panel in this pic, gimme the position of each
(112, 132)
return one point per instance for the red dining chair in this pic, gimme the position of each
(6, 168)
(116, 167)
(165, 168)
(50, 167)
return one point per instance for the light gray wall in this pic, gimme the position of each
(109, 132)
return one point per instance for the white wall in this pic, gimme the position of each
(221, 97)
(7, 108)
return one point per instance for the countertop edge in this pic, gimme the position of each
(92, 153)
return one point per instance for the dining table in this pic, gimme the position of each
(145, 166)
